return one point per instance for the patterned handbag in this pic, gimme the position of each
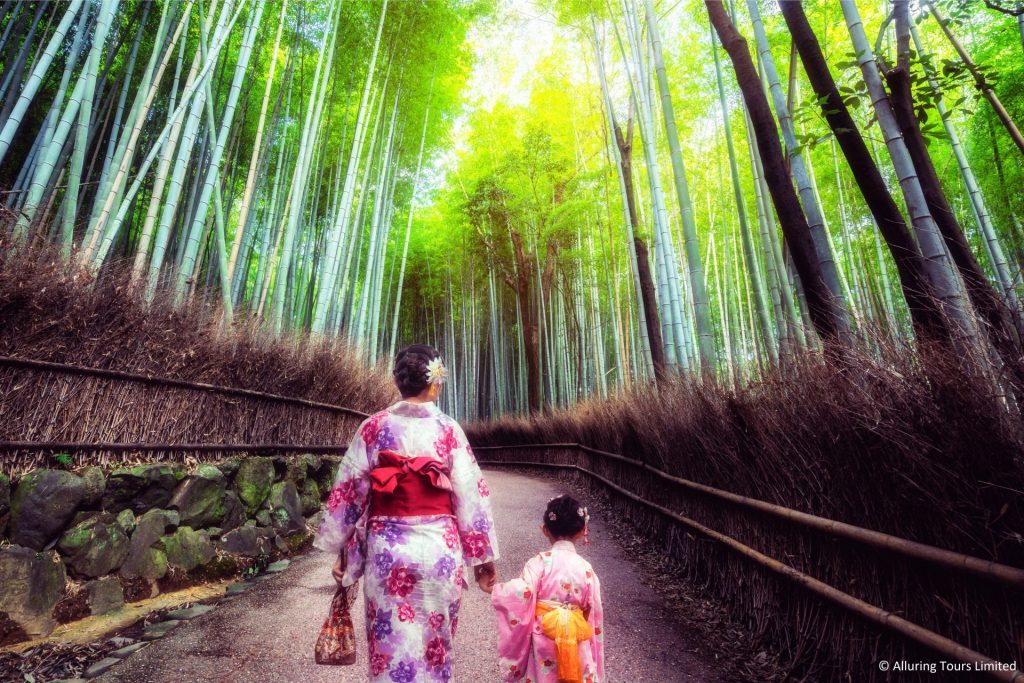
(336, 644)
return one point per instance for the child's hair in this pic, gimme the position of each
(564, 517)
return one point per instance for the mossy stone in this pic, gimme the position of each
(95, 485)
(149, 564)
(33, 583)
(126, 520)
(286, 507)
(105, 595)
(200, 499)
(187, 548)
(234, 512)
(246, 541)
(264, 518)
(146, 559)
(139, 488)
(95, 547)
(253, 481)
(309, 496)
(5, 503)
(43, 504)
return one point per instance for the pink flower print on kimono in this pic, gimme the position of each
(446, 443)
(401, 581)
(524, 651)
(406, 612)
(413, 568)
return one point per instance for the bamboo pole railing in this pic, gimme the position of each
(65, 368)
(993, 669)
(180, 447)
(938, 643)
(1007, 575)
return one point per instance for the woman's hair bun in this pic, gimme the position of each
(410, 370)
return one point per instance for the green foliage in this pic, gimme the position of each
(63, 460)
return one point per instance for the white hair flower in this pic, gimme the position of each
(437, 373)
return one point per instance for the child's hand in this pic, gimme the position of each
(486, 576)
(487, 582)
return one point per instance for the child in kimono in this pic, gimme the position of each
(550, 619)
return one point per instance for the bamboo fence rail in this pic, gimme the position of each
(1004, 575)
(11, 361)
(168, 447)
(104, 416)
(975, 566)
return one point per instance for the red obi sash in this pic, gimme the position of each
(409, 487)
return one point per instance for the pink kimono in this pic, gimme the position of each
(558, 575)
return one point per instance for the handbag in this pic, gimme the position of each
(336, 644)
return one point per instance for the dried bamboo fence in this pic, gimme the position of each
(49, 408)
(89, 369)
(835, 626)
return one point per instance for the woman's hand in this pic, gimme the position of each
(486, 576)
(338, 571)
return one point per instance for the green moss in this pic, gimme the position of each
(77, 537)
(298, 542)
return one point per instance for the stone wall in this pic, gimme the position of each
(85, 542)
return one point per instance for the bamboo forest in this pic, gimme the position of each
(611, 196)
(768, 251)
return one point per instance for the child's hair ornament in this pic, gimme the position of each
(552, 516)
(437, 373)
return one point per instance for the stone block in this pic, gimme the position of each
(33, 583)
(42, 506)
(104, 595)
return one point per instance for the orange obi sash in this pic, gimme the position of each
(566, 625)
(409, 487)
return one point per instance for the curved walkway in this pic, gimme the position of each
(267, 633)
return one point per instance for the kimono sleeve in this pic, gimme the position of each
(347, 500)
(472, 503)
(595, 618)
(516, 604)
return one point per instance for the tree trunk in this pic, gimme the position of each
(985, 299)
(869, 179)
(530, 324)
(653, 324)
(824, 308)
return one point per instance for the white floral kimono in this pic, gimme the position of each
(412, 566)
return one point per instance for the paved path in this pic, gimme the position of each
(267, 634)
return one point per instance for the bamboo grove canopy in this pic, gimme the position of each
(566, 196)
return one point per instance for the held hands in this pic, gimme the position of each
(486, 576)
(338, 571)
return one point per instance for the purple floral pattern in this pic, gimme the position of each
(382, 562)
(412, 568)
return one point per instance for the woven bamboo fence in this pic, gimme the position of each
(92, 365)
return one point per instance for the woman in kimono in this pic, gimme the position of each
(408, 509)
(550, 621)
